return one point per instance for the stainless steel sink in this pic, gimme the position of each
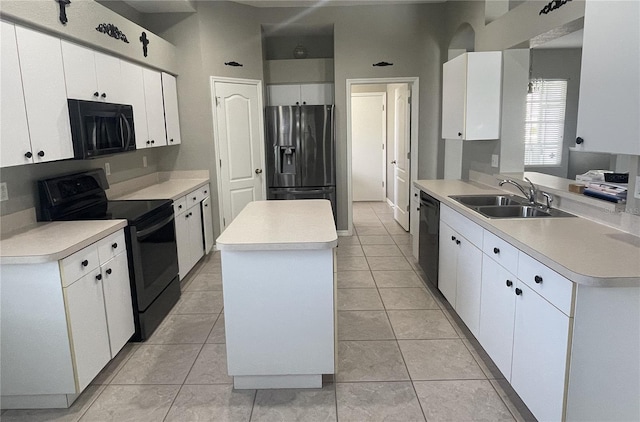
(507, 206)
(487, 200)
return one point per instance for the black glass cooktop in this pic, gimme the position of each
(131, 210)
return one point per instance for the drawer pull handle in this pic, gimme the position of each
(205, 192)
(103, 95)
(179, 207)
(496, 251)
(99, 277)
(457, 242)
(96, 94)
(194, 198)
(28, 154)
(109, 271)
(518, 291)
(509, 283)
(41, 154)
(537, 279)
(453, 238)
(85, 263)
(206, 205)
(114, 245)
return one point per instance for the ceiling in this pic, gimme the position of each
(182, 6)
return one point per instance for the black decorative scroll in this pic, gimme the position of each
(145, 41)
(382, 64)
(112, 31)
(234, 64)
(553, 5)
(63, 11)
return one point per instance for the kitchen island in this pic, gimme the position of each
(279, 294)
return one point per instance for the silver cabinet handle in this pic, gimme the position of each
(258, 171)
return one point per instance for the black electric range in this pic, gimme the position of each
(150, 237)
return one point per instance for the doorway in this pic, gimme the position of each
(399, 147)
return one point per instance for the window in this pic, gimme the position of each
(544, 122)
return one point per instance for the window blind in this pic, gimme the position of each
(544, 122)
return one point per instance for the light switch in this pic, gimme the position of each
(107, 169)
(495, 160)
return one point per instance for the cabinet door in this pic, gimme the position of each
(13, 120)
(45, 95)
(283, 94)
(540, 347)
(609, 103)
(117, 302)
(80, 72)
(414, 226)
(155, 108)
(182, 240)
(316, 94)
(86, 317)
(483, 97)
(448, 263)
(497, 313)
(170, 94)
(196, 243)
(109, 77)
(468, 284)
(454, 81)
(133, 93)
(207, 224)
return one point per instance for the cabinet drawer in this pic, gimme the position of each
(180, 205)
(501, 251)
(79, 264)
(548, 283)
(194, 197)
(111, 246)
(465, 227)
(204, 191)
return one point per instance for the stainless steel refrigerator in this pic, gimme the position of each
(301, 153)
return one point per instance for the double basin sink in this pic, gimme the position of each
(507, 206)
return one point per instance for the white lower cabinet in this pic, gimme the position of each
(62, 322)
(540, 354)
(193, 228)
(207, 224)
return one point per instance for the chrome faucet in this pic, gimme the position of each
(531, 194)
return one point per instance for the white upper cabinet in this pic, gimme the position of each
(157, 135)
(45, 95)
(170, 94)
(300, 94)
(471, 91)
(15, 147)
(133, 90)
(91, 76)
(609, 104)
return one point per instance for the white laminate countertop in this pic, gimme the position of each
(169, 189)
(281, 225)
(47, 242)
(582, 250)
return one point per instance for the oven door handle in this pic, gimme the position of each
(145, 232)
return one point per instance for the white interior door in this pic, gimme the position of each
(402, 137)
(368, 135)
(240, 145)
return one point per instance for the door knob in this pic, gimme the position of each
(258, 171)
(394, 162)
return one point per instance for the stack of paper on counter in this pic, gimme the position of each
(614, 192)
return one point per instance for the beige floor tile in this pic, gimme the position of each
(370, 361)
(461, 400)
(407, 298)
(364, 325)
(211, 366)
(348, 240)
(394, 228)
(421, 325)
(295, 405)
(349, 250)
(183, 328)
(447, 359)
(72, 414)
(371, 230)
(381, 250)
(217, 335)
(376, 240)
(158, 364)
(205, 281)
(132, 403)
(396, 279)
(401, 239)
(352, 263)
(514, 403)
(389, 263)
(354, 279)
(359, 300)
(378, 401)
(108, 372)
(203, 302)
(211, 403)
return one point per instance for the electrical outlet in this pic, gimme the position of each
(495, 160)
(144, 161)
(107, 169)
(636, 194)
(4, 192)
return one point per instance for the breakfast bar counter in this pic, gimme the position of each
(277, 276)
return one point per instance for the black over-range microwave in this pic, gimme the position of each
(100, 128)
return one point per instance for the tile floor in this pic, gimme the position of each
(403, 355)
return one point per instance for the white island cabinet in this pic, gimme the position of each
(277, 274)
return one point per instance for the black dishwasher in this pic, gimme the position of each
(429, 235)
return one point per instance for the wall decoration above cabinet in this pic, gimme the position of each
(63, 11)
(471, 92)
(145, 42)
(112, 31)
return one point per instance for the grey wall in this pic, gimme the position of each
(281, 47)
(560, 64)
